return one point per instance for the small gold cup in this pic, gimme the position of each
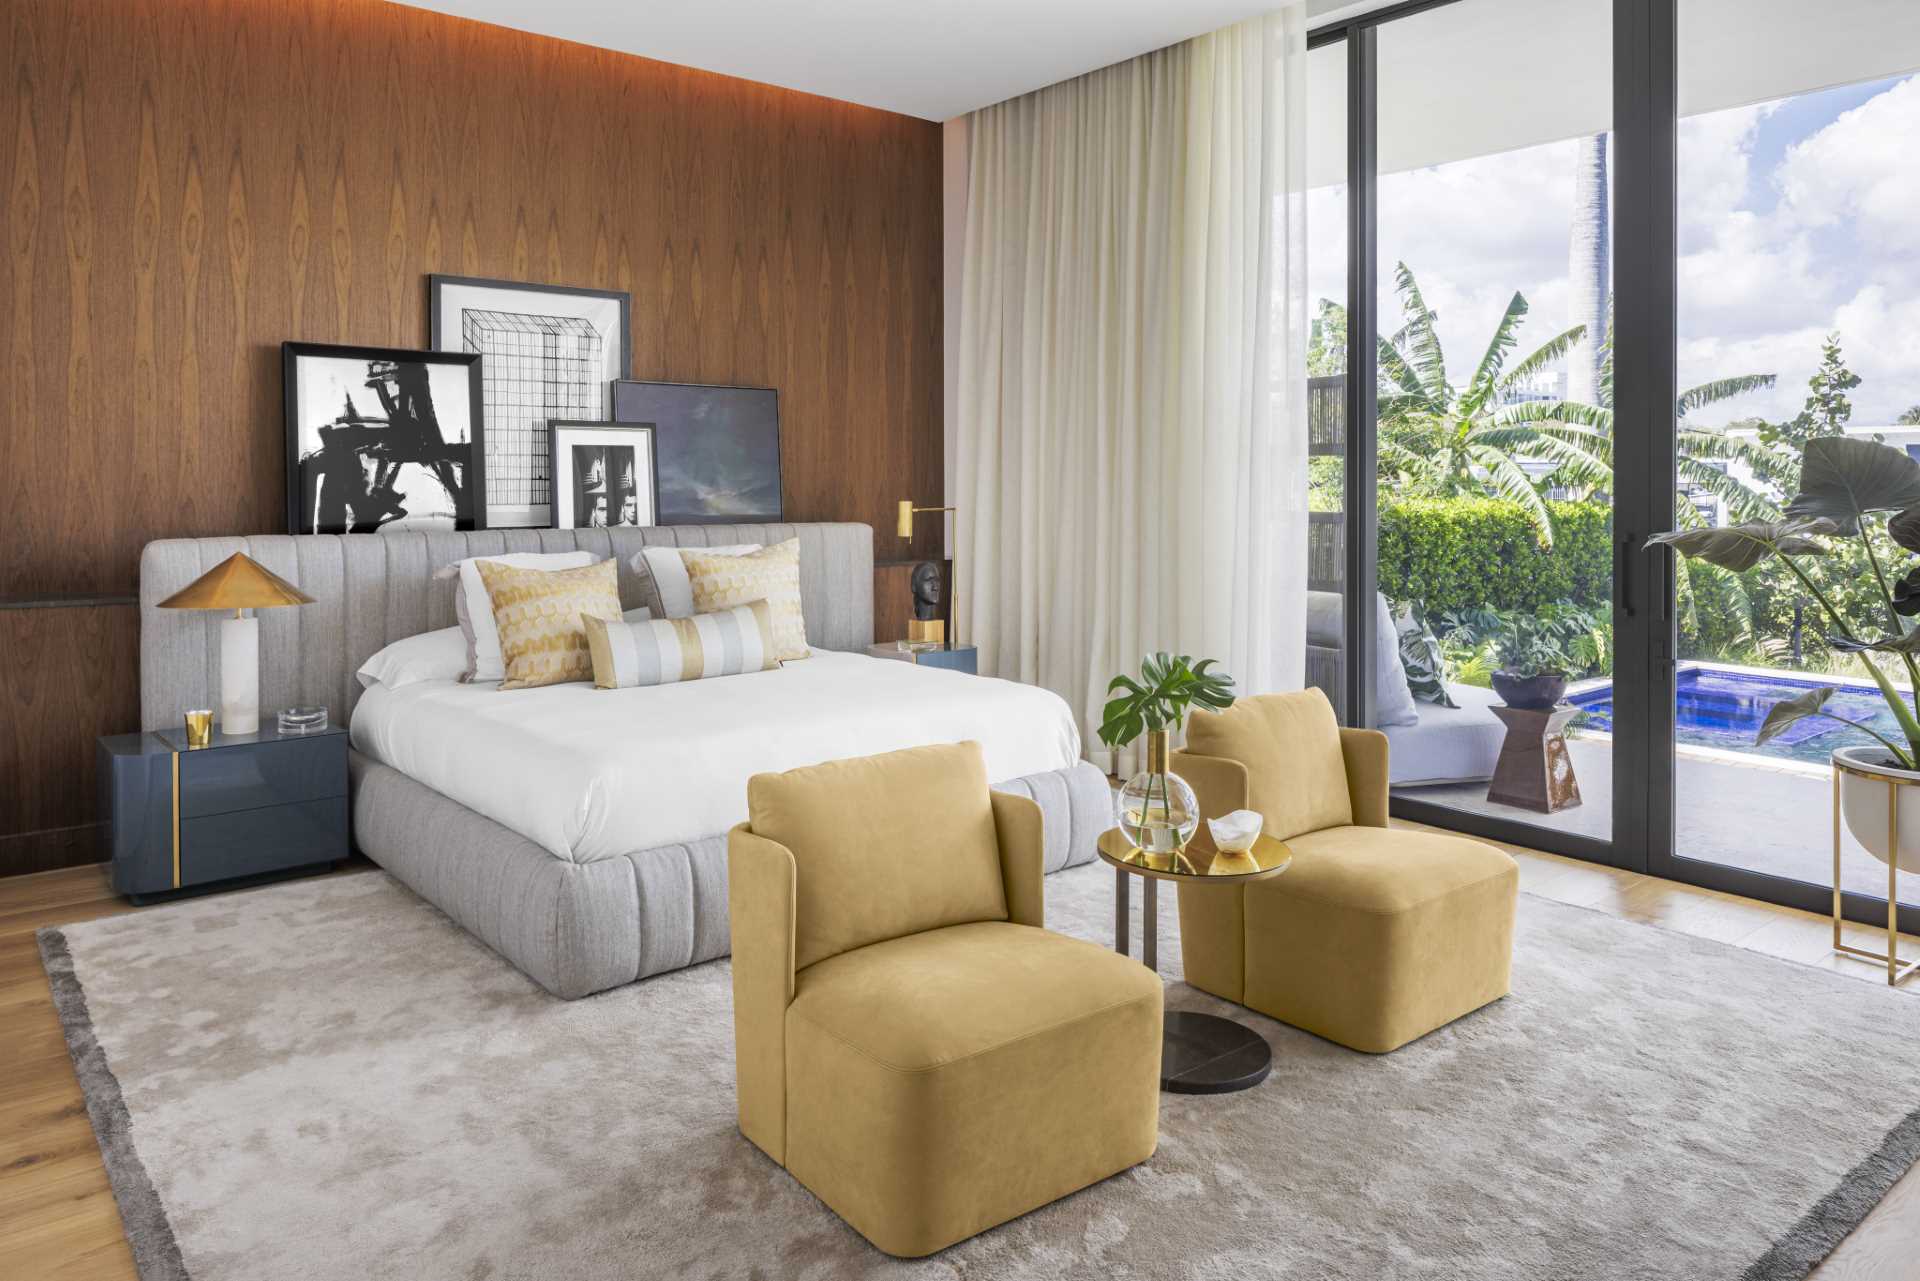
(199, 727)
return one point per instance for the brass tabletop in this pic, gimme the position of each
(1268, 857)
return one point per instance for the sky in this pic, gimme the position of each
(1797, 218)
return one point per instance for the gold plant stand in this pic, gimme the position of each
(1897, 969)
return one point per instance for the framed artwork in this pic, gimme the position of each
(380, 439)
(603, 475)
(718, 449)
(549, 352)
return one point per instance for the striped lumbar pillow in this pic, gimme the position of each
(662, 651)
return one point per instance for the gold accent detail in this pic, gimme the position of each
(176, 820)
(199, 728)
(904, 527)
(1897, 969)
(927, 630)
(236, 583)
(1268, 857)
(1159, 742)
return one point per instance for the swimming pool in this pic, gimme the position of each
(1714, 707)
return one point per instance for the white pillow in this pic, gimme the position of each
(430, 656)
(671, 586)
(474, 608)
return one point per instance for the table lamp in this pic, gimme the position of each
(932, 630)
(238, 583)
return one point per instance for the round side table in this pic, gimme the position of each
(1199, 1053)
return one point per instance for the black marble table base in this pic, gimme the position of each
(1206, 1054)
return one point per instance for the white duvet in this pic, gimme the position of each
(590, 774)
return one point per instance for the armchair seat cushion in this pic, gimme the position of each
(1375, 937)
(945, 1081)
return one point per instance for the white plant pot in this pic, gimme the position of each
(1864, 804)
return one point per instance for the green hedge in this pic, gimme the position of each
(1462, 553)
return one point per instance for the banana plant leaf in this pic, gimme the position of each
(1842, 479)
(1740, 547)
(1907, 644)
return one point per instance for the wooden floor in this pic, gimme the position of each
(58, 1220)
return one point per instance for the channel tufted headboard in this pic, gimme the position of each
(373, 589)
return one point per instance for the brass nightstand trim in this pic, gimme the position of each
(176, 820)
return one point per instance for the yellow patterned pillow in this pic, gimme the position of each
(538, 612)
(771, 575)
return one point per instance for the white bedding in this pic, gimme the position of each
(591, 774)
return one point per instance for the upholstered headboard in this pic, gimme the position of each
(373, 589)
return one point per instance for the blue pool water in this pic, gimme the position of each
(1714, 708)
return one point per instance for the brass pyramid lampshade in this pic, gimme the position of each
(238, 583)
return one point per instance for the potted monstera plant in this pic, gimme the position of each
(1156, 809)
(1533, 665)
(1850, 489)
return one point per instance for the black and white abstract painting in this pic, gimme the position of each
(548, 352)
(603, 475)
(718, 449)
(381, 440)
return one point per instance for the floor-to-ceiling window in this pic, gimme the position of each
(1798, 309)
(1494, 463)
(1617, 260)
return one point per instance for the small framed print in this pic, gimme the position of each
(603, 475)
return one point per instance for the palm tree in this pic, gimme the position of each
(1444, 441)
(1587, 267)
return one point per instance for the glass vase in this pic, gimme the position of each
(1156, 809)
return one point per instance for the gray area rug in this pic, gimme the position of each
(328, 1079)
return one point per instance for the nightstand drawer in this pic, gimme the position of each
(222, 780)
(249, 842)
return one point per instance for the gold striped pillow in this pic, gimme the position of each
(665, 650)
(543, 640)
(771, 574)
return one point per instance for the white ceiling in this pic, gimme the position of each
(936, 59)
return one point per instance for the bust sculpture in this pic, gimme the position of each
(926, 590)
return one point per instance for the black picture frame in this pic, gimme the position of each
(519, 494)
(565, 437)
(681, 440)
(305, 494)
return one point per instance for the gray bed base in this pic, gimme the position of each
(579, 928)
(574, 928)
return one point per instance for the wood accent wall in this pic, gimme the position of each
(187, 183)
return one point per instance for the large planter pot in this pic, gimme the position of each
(1865, 780)
(1529, 693)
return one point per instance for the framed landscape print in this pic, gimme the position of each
(718, 449)
(603, 475)
(380, 440)
(549, 352)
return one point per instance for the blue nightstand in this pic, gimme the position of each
(242, 808)
(960, 658)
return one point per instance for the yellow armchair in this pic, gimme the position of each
(910, 1043)
(1373, 936)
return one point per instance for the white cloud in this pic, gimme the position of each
(1860, 170)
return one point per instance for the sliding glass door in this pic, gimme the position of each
(1608, 265)
(1494, 579)
(1798, 274)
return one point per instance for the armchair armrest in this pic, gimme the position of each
(1023, 846)
(1365, 752)
(1219, 787)
(760, 912)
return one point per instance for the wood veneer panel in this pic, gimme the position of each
(69, 675)
(187, 183)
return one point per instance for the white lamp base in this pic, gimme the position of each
(240, 676)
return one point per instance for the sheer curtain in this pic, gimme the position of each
(1132, 440)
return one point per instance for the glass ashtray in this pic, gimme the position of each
(303, 720)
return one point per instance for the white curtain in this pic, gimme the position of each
(1132, 440)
